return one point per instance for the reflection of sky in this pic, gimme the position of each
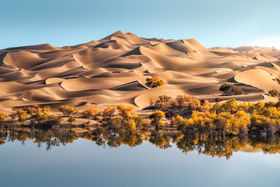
(84, 164)
(213, 23)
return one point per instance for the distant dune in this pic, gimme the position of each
(113, 70)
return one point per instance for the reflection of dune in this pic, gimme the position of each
(113, 70)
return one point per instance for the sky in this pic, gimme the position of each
(224, 23)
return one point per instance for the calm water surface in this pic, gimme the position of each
(83, 163)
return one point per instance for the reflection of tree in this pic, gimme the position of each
(50, 137)
(220, 146)
(116, 137)
(160, 139)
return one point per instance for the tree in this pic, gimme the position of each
(71, 120)
(68, 110)
(186, 102)
(92, 112)
(39, 114)
(108, 112)
(177, 121)
(163, 102)
(240, 122)
(125, 111)
(3, 117)
(130, 125)
(227, 106)
(21, 115)
(205, 105)
(156, 118)
(116, 122)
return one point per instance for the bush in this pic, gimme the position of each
(229, 89)
(154, 82)
(273, 93)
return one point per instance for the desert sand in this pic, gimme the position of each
(113, 70)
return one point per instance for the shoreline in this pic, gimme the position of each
(184, 114)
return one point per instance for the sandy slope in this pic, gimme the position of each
(113, 70)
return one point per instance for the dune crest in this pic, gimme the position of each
(113, 70)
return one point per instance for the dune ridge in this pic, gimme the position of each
(113, 70)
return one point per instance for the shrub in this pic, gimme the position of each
(229, 89)
(225, 87)
(273, 93)
(154, 82)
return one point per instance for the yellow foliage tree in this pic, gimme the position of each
(68, 110)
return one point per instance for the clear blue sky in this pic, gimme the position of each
(69, 22)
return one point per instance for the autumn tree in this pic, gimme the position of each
(3, 117)
(92, 112)
(125, 111)
(39, 114)
(67, 110)
(156, 118)
(21, 115)
(71, 120)
(108, 112)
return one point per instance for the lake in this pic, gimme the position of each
(83, 162)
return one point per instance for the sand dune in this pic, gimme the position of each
(113, 70)
(258, 78)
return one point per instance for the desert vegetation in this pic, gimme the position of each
(230, 89)
(154, 82)
(213, 128)
(207, 145)
(227, 118)
(274, 93)
(184, 114)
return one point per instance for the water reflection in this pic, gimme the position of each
(201, 143)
